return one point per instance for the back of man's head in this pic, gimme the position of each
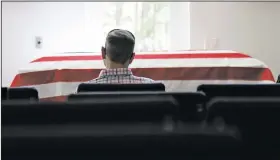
(119, 46)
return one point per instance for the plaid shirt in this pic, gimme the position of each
(119, 75)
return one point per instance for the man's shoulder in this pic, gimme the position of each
(144, 79)
(96, 80)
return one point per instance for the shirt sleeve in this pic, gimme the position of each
(148, 80)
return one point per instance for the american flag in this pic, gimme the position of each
(57, 76)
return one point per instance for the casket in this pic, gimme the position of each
(57, 76)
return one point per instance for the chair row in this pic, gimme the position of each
(211, 90)
(138, 109)
(139, 125)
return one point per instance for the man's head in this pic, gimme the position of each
(119, 48)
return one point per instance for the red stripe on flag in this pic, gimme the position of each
(267, 75)
(56, 99)
(201, 73)
(145, 56)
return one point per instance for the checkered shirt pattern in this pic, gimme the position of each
(119, 75)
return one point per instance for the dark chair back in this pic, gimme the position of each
(59, 128)
(239, 90)
(256, 117)
(23, 93)
(4, 93)
(96, 141)
(85, 87)
(192, 104)
(137, 109)
(100, 128)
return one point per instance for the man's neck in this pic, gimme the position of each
(113, 65)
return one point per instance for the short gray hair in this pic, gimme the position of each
(119, 45)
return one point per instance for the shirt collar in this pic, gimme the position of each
(115, 72)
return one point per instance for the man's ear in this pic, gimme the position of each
(132, 58)
(103, 52)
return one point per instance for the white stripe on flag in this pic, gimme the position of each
(148, 63)
(66, 88)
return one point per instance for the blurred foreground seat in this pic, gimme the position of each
(95, 141)
(124, 127)
(257, 118)
(131, 110)
(139, 126)
(191, 105)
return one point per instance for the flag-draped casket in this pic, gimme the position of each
(57, 76)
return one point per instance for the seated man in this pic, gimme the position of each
(117, 55)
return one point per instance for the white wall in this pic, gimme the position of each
(249, 27)
(179, 29)
(1, 45)
(60, 25)
(63, 27)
